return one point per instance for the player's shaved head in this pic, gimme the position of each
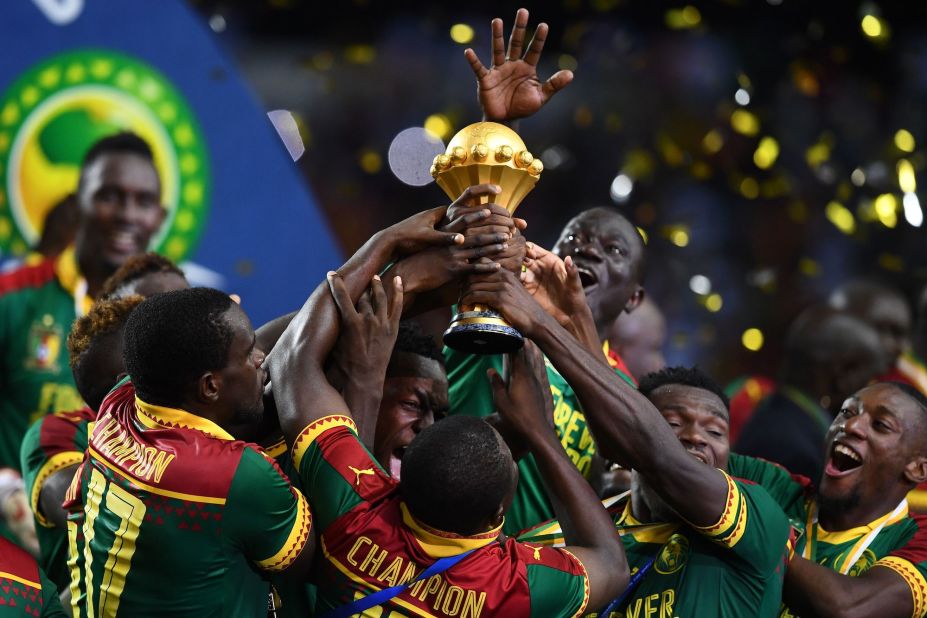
(458, 475)
(882, 307)
(146, 274)
(172, 339)
(831, 354)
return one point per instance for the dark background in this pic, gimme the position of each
(653, 79)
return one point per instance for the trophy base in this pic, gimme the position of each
(482, 332)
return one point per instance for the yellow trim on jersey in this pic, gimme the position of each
(440, 544)
(731, 526)
(160, 417)
(641, 532)
(97, 458)
(917, 500)
(295, 542)
(68, 273)
(277, 449)
(840, 537)
(912, 577)
(315, 429)
(16, 578)
(373, 587)
(55, 463)
(582, 566)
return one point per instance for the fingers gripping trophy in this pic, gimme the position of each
(486, 152)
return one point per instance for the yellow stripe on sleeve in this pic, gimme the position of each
(732, 524)
(912, 577)
(308, 435)
(295, 542)
(56, 462)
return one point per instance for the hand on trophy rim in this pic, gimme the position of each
(510, 88)
(420, 232)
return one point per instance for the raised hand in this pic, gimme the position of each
(554, 283)
(418, 233)
(364, 347)
(510, 88)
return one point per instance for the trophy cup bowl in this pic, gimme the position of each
(486, 152)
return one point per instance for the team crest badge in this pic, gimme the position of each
(673, 556)
(862, 565)
(44, 345)
(59, 107)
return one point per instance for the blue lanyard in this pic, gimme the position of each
(635, 580)
(380, 597)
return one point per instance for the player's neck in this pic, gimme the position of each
(92, 270)
(835, 517)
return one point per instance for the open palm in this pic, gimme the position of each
(510, 89)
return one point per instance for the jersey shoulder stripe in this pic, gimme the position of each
(27, 277)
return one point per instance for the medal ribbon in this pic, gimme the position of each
(861, 545)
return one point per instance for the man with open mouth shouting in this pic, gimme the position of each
(861, 552)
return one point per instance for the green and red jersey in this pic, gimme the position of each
(470, 394)
(24, 589)
(170, 515)
(53, 443)
(895, 540)
(733, 568)
(38, 303)
(371, 541)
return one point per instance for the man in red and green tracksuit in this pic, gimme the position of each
(861, 551)
(167, 499)
(119, 196)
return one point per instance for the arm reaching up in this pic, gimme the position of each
(296, 364)
(510, 88)
(590, 532)
(626, 425)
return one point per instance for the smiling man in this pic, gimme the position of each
(862, 553)
(119, 198)
(702, 541)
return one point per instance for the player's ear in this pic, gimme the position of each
(916, 470)
(636, 299)
(207, 387)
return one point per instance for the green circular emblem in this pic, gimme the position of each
(673, 555)
(57, 109)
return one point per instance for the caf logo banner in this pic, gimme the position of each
(74, 71)
(56, 110)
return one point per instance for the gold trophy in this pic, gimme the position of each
(486, 152)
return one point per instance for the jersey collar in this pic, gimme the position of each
(842, 536)
(161, 417)
(657, 532)
(439, 544)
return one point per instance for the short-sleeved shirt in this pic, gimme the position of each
(370, 541)
(733, 568)
(53, 443)
(24, 588)
(171, 516)
(470, 393)
(37, 306)
(900, 544)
